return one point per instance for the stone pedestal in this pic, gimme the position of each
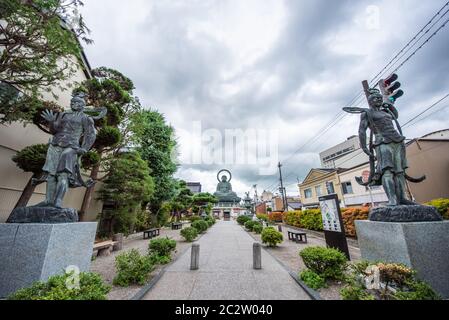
(423, 246)
(43, 215)
(35, 252)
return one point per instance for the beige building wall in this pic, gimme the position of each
(13, 180)
(430, 158)
(361, 195)
(318, 179)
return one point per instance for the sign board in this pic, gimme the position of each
(334, 229)
(329, 212)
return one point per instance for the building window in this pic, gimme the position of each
(347, 188)
(330, 188)
(308, 193)
(318, 191)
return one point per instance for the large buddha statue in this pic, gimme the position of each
(224, 191)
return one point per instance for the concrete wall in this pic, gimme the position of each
(429, 157)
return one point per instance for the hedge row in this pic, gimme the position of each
(312, 219)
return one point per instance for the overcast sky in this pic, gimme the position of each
(284, 68)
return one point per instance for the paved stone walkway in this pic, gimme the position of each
(226, 272)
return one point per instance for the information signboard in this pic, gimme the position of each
(333, 226)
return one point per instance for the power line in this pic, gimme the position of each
(405, 125)
(426, 117)
(410, 42)
(339, 115)
(421, 46)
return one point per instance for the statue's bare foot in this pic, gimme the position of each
(406, 202)
(42, 204)
(391, 204)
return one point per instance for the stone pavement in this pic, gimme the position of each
(226, 272)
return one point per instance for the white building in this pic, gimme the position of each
(354, 194)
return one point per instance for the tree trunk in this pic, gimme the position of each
(27, 193)
(89, 193)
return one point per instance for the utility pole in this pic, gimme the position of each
(283, 191)
(256, 199)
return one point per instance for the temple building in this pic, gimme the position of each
(229, 204)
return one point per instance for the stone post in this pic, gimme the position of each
(119, 239)
(257, 256)
(195, 259)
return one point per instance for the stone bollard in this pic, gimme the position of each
(257, 256)
(195, 260)
(119, 239)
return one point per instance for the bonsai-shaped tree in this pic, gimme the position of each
(112, 90)
(38, 52)
(31, 159)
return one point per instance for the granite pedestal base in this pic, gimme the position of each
(423, 246)
(35, 252)
(43, 215)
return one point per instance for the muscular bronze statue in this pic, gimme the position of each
(73, 135)
(386, 150)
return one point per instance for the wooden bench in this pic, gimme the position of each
(298, 237)
(149, 234)
(104, 249)
(176, 226)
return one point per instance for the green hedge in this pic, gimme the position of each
(189, 234)
(132, 268)
(160, 250)
(243, 219)
(326, 262)
(306, 219)
(442, 206)
(200, 225)
(91, 287)
(271, 237)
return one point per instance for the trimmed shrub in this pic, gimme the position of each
(355, 293)
(200, 225)
(263, 217)
(194, 218)
(132, 268)
(271, 237)
(350, 215)
(161, 247)
(312, 279)
(312, 220)
(276, 216)
(243, 219)
(417, 290)
(306, 219)
(258, 228)
(442, 206)
(189, 234)
(250, 225)
(210, 220)
(91, 287)
(293, 218)
(397, 282)
(327, 262)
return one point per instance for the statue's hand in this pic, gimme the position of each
(81, 151)
(49, 116)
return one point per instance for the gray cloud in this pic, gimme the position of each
(285, 65)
